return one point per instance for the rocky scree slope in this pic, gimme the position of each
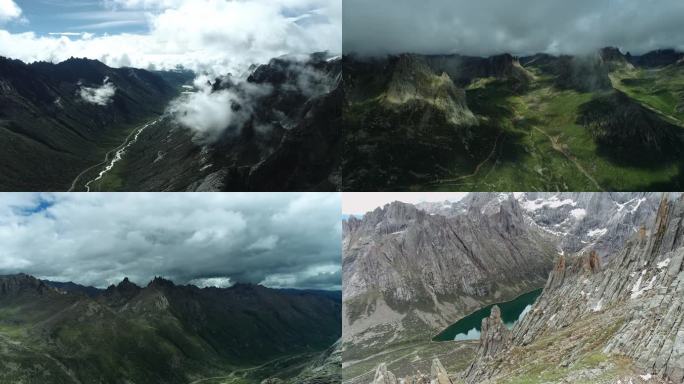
(409, 273)
(629, 313)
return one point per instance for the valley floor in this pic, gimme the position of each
(411, 357)
(543, 147)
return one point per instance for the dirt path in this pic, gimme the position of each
(559, 147)
(477, 168)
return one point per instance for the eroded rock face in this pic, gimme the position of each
(638, 299)
(413, 81)
(401, 262)
(383, 376)
(22, 284)
(438, 375)
(495, 339)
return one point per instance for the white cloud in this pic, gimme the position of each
(9, 10)
(206, 239)
(144, 4)
(209, 113)
(204, 35)
(487, 27)
(100, 96)
(218, 282)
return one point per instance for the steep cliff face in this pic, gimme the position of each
(629, 316)
(495, 339)
(578, 221)
(409, 273)
(414, 82)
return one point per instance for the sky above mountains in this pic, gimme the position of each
(280, 240)
(488, 27)
(218, 36)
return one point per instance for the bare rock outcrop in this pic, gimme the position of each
(495, 339)
(383, 376)
(636, 303)
(438, 375)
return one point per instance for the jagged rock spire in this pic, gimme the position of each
(495, 339)
(438, 374)
(383, 376)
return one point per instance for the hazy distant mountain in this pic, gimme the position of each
(161, 332)
(603, 121)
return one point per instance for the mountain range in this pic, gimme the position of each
(412, 270)
(619, 322)
(66, 333)
(609, 121)
(82, 126)
(52, 128)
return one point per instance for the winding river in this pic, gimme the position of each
(118, 155)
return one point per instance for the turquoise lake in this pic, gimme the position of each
(468, 328)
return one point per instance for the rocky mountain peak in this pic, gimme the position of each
(160, 282)
(495, 339)
(122, 292)
(629, 308)
(414, 82)
(494, 336)
(21, 283)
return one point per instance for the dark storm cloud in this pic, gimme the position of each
(277, 239)
(487, 27)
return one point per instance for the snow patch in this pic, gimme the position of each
(578, 213)
(646, 377)
(664, 263)
(637, 290)
(552, 202)
(598, 306)
(597, 232)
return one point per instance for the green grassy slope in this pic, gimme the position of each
(161, 333)
(542, 137)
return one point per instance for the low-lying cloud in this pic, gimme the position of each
(489, 27)
(210, 113)
(218, 239)
(99, 96)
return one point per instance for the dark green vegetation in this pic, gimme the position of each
(290, 142)
(510, 312)
(49, 133)
(608, 121)
(164, 333)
